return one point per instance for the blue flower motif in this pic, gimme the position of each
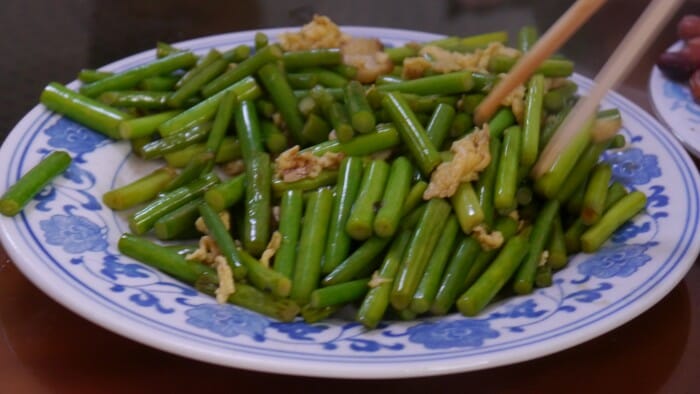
(619, 260)
(299, 330)
(147, 299)
(676, 91)
(457, 333)
(45, 197)
(629, 231)
(76, 173)
(76, 234)
(66, 134)
(228, 320)
(682, 96)
(526, 309)
(586, 295)
(113, 269)
(633, 167)
(366, 345)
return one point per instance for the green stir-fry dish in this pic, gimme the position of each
(316, 171)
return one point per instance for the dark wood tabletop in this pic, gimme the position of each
(45, 348)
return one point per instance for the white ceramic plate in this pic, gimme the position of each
(674, 104)
(65, 243)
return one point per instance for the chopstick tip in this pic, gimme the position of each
(480, 116)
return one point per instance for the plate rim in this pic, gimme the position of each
(655, 97)
(129, 330)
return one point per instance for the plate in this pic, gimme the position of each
(65, 241)
(674, 105)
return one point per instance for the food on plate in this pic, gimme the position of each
(357, 176)
(31, 183)
(683, 65)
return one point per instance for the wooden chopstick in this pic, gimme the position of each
(614, 71)
(549, 43)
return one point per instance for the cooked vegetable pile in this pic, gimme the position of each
(326, 170)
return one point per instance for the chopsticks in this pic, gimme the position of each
(614, 71)
(550, 42)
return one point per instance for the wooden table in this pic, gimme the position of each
(46, 348)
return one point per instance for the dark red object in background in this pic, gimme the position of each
(683, 65)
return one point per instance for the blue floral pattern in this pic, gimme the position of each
(112, 269)
(457, 333)
(630, 230)
(76, 234)
(527, 308)
(228, 320)
(299, 330)
(682, 99)
(71, 136)
(617, 260)
(633, 167)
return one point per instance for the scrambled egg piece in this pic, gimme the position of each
(225, 274)
(488, 241)
(444, 61)
(271, 249)
(202, 227)
(554, 83)
(471, 155)
(516, 101)
(210, 254)
(515, 215)
(207, 252)
(292, 166)
(321, 32)
(377, 280)
(543, 258)
(367, 55)
(415, 67)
